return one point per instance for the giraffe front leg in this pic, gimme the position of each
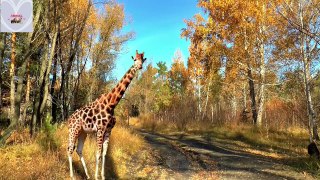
(98, 154)
(70, 151)
(104, 153)
(98, 157)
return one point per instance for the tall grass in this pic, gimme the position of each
(28, 159)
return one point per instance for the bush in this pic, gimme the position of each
(46, 138)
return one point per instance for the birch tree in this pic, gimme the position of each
(236, 41)
(302, 21)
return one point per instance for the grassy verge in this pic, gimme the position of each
(45, 156)
(288, 145)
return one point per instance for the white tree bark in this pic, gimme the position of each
(304, 49)
(261, 101)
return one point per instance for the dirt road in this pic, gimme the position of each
(192, 157)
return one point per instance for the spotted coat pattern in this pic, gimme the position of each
(98, 116)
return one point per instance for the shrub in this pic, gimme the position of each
(46, 138)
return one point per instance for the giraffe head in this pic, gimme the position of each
(139, 59)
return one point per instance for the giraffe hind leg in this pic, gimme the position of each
(99, 148)
(81, 140)
(104, 153)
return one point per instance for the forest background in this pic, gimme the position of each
(251, 62)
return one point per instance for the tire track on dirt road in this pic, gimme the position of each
(173, 162)
(192, 157)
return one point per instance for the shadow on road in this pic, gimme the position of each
(230, 163)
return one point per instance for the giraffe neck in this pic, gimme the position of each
(118, 91)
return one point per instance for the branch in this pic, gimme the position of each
(298, 27)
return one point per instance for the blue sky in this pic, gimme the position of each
(157, 26)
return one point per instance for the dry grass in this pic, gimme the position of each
(288, 145)
(149, 123)
(124, 144)
(290, 141)
(265, 142)
(27, 159)
(45, 157)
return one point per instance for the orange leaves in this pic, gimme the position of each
(74, 11)
(178, 75)
(77, 6)
(114, 14)
(227, 43)
(178, 66)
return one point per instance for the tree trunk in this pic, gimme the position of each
(1, 62)
(262, 30)
(212, 113)
(250, 80)
(310, 110)
(244, 94)
(44, 73)
(199, 94)
(27, 98)
(261, 96)
(54, 79)
(304, 48)
(33, 118)
(252, 96)
(204, 112)
(40, 95)
(234, 103)
(19, 93)
(13, 117)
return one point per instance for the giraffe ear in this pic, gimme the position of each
(144, 59)
(132, 57)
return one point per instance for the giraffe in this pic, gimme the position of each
(98, 117)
